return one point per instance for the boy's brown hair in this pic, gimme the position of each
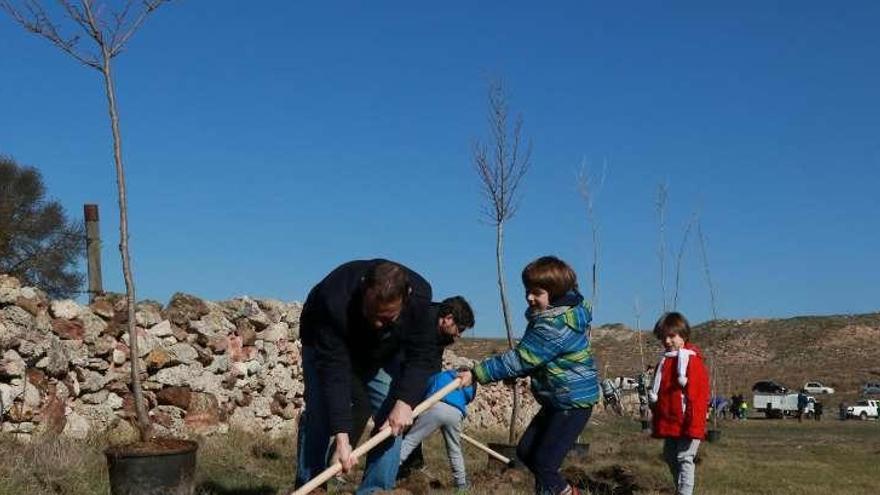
(551, 274)
(672, 323)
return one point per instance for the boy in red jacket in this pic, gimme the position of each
(680, 399)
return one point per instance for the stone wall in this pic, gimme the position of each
(206, 366)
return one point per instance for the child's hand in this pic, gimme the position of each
(467, 378)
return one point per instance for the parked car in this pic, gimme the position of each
(871, 388)
(864, 409)
(817, 388)
(768, 387)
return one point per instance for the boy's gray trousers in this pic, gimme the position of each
(448, 419)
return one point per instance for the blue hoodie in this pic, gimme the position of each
(458, 398)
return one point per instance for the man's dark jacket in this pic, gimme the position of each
(347, 346)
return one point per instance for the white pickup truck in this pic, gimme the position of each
(863, 409)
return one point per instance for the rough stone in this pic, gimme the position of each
(179, 375)
(52, 417)
(68, 329)
(145, 342)
(211, 325)
(184, 353)
(98, 397)
(98, 364)
(103, 308)
(77, 426)
(219, 365)
(114, 401)
(91, 381)
(66, 309)
(174, 396)
(159, 358)
(16, 322)
(120, 353)
(276, 332)
(9, 282)
(246, 331)
(33, 301)
(11, 365)
(7, 395)
(8, 295)
(183, 308)
(103, 345)
(93, 326)
(161, 329)
(203, 413)
(218, 344)
(56, 360)
(77, 352)
(148, 314)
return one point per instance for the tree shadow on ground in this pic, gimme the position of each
(212, 488)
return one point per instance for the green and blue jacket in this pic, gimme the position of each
(555, 352)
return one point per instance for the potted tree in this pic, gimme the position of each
(149, 465)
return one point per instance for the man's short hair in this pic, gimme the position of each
(672, 323)
(387, 281)
(551, 274)
(460, 310)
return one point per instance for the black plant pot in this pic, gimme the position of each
(713, 435)
(165, 467)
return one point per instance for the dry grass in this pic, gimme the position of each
(754, 457)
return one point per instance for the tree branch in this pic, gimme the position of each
(38, 23)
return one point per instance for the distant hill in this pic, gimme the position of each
(842, 351)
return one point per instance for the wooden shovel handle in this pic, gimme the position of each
(375, 439)
(485, 448)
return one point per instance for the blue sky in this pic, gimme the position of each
(267, 143)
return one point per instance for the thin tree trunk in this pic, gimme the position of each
(661, 248)
(142, 419)
(706, 270)
(502, 287)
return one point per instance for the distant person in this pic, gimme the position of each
(743, 410)
(802, 402)
(555, 352)
(454, 315)
(447, 416)
(841, 411)
(680, 395)
(354, 325)
(817, 410)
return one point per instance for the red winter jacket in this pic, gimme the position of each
(680, 411)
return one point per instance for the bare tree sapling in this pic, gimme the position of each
(501, 163)
(108, 31)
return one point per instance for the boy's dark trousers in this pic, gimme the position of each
(546, 441)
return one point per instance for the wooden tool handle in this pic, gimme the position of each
(485, 448)
(375, 439)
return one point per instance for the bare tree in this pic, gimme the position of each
(662, 192)
(705, 259)
(501, 163)
(589, 187)
(109, 29)
(680, 257)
